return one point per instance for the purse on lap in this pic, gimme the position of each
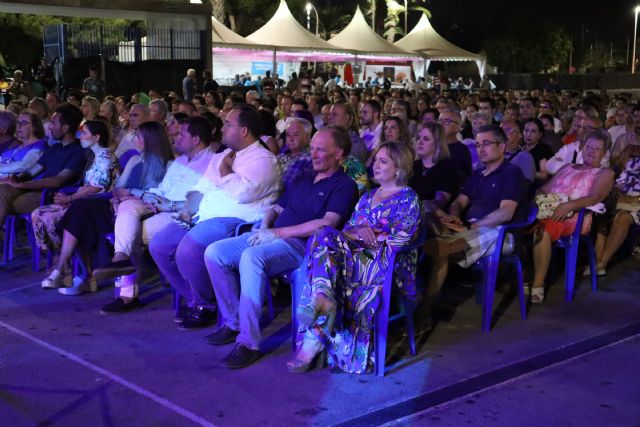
(547, 203)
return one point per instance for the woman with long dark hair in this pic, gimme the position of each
(87, 219)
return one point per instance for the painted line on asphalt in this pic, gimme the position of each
(410, 417)
(20, 288)
(506, 374)
(116, 378)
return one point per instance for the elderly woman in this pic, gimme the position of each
(30, 132)
(585, 184)
(345, 268)
(628, 189)
(432, 178)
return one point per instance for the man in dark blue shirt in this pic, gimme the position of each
(62, 164)
(240, 267)
(488, 199)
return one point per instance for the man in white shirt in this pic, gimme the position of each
(371, 124)
(239, 185)
(572, 153)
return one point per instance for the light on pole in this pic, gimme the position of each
(635, 39)
(308, 8)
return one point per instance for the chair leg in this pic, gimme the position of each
(296, 289)
(381, 329)
(9, 235)
(490, 273)
(408, 316)
(523, 304)
(35, 250)
(592, 263)
(571, 256)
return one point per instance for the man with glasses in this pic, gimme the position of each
(450, 119)
(238, 185)
(488, 199)
(514, 152)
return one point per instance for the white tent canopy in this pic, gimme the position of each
(359, 37)
(424, 39)
(221, 34)
(283, 31)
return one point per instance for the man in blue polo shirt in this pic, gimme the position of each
(62, 164)
(240, 267)
(488, 199)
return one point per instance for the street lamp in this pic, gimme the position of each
(308, 8)
(635, 36)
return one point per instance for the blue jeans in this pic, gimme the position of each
(179, 255)
(240, 275)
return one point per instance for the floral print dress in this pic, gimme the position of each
(46, 218)
(347, 273)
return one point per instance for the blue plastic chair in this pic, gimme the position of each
(571, 244)
(490, 263)
(382, 318)
(10, 233)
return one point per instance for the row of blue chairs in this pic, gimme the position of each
(485, 295)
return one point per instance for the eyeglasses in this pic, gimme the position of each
(484, 144)
(447, 122)
(509, 130)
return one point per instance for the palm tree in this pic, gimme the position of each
(394, 10)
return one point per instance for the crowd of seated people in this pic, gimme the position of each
(331, 182)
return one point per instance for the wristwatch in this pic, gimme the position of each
(172, 206)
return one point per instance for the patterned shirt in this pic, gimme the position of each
(629, 180)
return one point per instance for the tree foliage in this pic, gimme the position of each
(525, 47)
(21, 35)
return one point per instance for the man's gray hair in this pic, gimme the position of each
(452, 111)
(306, 125)
(164, 108)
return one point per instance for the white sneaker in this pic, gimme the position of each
(53, 281)
(80, 286)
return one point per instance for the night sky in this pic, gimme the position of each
(468, 22)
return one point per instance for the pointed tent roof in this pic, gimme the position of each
(221, 34)
(283, 30)
(360, 37)
(424, 39)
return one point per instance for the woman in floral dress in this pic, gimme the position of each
(346, 268)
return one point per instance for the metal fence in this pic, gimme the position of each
(122, 43)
